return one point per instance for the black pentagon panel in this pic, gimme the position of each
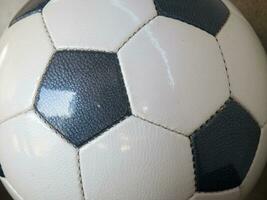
(224, 148)
(1, 172)
(82, 94)
(208, 15)
(31, 7)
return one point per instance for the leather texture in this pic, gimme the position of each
(1, 172)
(20, 76)
(37, 162)
(224, 148)
(102, 25)
(177, 75)
(31, 7)
(246, 62)
(136, 160)
(82, 94)
(208, 15)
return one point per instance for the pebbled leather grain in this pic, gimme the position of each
(224, 148)
(82, 94)
(208, 15)
(1, 172)
(29, 8)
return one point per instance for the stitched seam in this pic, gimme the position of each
(194, 152)
(175, 132)
(54, 129)
(214, 115)
(47, 31)
(125, 92)
(67, 141)
(159, 125)
(194, 163)
(225, 66)
(80, 175)
(106, 129)
(134, 33)
(37, 90)
(16, 115)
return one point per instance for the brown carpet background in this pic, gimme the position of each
(254, 10)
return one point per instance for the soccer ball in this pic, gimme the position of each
(131, 100)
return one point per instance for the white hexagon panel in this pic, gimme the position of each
(246, 61)
(137, 160)
(31, 152)
(95, 24)
(126, 100)
(175, 67)
(28, 41)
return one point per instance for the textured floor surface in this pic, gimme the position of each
(254, 10)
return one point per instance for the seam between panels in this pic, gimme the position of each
(183, 135)
(68, 142)
(225, 66)
(105, 130)
(47, 31)
(194, 132)
(134, 33)
(80, 175)
(214, 115)
(17, 115)
(159, 125)
(194, 165)
(55, 130)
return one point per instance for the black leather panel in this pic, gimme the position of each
(208, 15)
(29, 8)
(1, 172)
(224, 148)
(82, 94)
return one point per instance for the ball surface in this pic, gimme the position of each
(128, 99)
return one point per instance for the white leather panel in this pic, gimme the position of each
(247, 66)
(36, 161)
(225, 195)
(95, 24)
(25, 50)
(137, 160)
(11, 190)
(174, 74)
(257, 166)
